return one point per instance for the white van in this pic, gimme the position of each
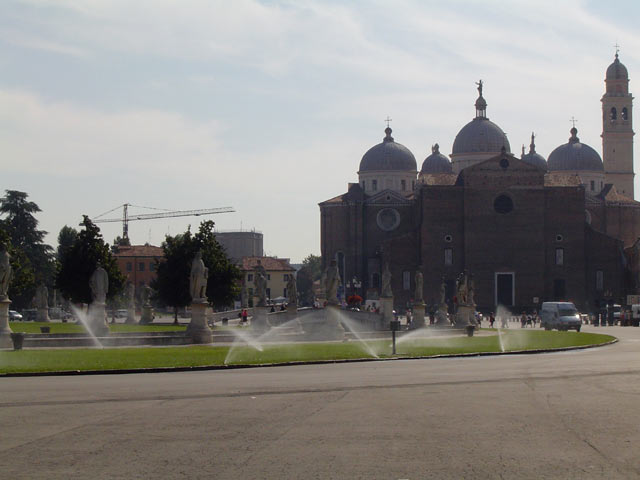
(560, 315)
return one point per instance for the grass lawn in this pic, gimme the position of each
(37, 360)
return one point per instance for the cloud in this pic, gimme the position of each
(87, 142)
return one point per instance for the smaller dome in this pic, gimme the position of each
(617, 71)
(533, 158)
(388, 155)
(575, 156)
(436, 162)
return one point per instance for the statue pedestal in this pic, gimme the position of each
(198, 329)
(418, 316)
(131, 316)
(43, 315)
(325, 328)
(97, 320)
(465, 316)
(5, 330)
(387, 310)
(441, 317)
(259, 319)
(147, 315)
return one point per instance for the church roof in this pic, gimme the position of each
(617, 71)
(438, 178)
(611, 195)
(388, 155)
(436, 162)
(561, 179)
(575, 156)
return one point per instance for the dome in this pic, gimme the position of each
(436, 162)
(388, 155)
(575, 156)
(480, 135)
(533, 158)
(617, 70)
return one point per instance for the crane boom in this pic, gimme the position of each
(149, 216)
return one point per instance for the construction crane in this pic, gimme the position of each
(125, 219)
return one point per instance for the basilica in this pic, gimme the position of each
(528, 229)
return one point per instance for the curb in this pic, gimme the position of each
(287, 364)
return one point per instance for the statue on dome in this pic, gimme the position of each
(479, 83)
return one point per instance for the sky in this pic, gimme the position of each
(268, 106)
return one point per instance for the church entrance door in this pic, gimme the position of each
(504, 289)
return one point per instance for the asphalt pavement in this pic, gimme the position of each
(558, 415)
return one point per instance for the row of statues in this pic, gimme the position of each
(465, 288)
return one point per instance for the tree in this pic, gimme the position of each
(66, 238)
(310, 271)
(22, 286)
(119, 242)
(22, 227)
(80, 261)
(172, 274)
(172, 281)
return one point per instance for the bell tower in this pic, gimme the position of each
(617, 129)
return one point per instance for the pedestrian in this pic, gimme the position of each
(245, 316)
(492, 319)
(523, 320)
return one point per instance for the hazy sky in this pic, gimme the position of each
(269, 106)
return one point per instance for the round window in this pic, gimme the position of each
(503, 204)
(559, 238)
(388, 219)
(448, 238)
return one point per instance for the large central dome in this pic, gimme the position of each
(388, 155)
(479, 140)
(480, 135)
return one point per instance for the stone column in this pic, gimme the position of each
(198, 329)
(5, 329)
(147, 314)
(97, 319)
(387, 310)
(418, 316)
(43, 314)
(259, 322)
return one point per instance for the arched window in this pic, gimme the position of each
(625, 114)
(613, 115)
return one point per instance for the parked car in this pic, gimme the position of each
(560, 315)
(14, 316)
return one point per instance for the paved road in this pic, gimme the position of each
(564, 415)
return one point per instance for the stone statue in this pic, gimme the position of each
(292, 290)
(131, 295)
(198, 279)
(260, 282)
(479, 84)
(461, 289)
(418, 296)
(99, 284)
(42, 297)
(471, 290)
(332, 282)
(146, 295)
(386, 282)
(5, 274)
(243, 296)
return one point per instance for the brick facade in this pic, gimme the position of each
(541, 244)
